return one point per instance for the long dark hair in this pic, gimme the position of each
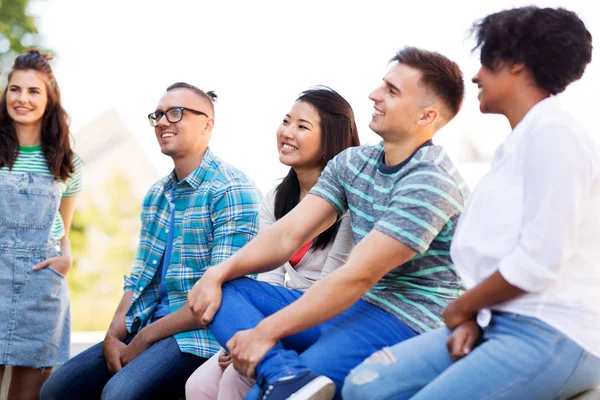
(338, 132)
(56, 143)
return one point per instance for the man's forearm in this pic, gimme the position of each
(117, 326)
(270, 249)
(492, 291)
(276, 244)
(181, 320)
(326, 299)
(338, 291)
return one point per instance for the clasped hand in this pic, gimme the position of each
(205, 297)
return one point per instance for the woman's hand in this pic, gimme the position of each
(224, 359)
(61, 264)
(463, 339)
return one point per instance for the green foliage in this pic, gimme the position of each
(104, 237)
(18, 30)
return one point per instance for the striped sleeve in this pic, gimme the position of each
(330, 186)
(75, 182)
(420, 207)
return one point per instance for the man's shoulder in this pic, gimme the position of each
(358, 155)
(227, 174)
(157, 187)
(367, 151)
(432, 165)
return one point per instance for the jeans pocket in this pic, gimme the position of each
(56, 272)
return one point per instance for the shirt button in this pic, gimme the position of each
(154, 262)
(57, 247)
(167, 230)
(141, 288)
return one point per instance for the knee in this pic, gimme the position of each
(198, 388)
(365, 381)
(57, 386)
(239, 284)
(122, 388)
(357, 384)
(51, 388)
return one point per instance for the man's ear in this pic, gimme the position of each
(208, 127)
(428, 117)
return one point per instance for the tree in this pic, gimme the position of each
(18, 30)
(104, 237)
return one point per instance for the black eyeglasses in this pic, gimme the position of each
(173, 115)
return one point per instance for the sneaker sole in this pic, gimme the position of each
(321, 388)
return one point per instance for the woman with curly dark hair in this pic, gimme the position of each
(40, 177)
(526, 245)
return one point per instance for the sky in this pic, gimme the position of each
(258, 56)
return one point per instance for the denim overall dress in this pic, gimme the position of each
(35, 319)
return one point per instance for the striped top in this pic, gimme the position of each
(216, 214)
(418, 203)
(32, 160)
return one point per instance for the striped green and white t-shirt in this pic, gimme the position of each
(31, 159)
(417, 202)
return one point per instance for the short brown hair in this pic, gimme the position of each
(439, 74)
(209, 96)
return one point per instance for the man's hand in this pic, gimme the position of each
(224, 359)
(61, 264)
(462, 339)
(247, 348)
(113, 348)
(205, 297)
(455, 314)
(137, 346)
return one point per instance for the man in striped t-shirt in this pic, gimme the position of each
(416, 202)
(404, 197)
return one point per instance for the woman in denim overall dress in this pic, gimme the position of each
(39, 178)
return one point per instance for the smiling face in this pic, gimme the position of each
(191, 134)
(299, 137)
(27, 97)
(494, 88)
(397, 102)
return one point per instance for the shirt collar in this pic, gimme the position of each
(197, 176)
(392, 169)
(539, 109)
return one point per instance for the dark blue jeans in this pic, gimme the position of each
(331, 349)
(158, 373)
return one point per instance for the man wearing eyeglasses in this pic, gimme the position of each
(194, 218)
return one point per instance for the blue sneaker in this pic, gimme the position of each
(304, 386)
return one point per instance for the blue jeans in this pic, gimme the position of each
(158, 373)
(518, 358)
(331, 349)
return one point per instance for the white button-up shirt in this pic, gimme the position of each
(535, 216)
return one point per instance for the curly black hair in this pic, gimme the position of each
(553, 43)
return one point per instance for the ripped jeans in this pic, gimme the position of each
(519, 357)
(331, 349)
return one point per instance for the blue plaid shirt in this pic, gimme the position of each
(216, 214)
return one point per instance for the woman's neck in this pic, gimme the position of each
(307, 178)
(522, 102)
(29, 135)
